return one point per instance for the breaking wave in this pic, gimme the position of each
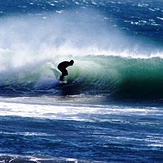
(108, 62)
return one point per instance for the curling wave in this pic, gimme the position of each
(112, 76)
(111, 59)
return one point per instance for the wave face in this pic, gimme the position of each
(117, 54)
(111, 76)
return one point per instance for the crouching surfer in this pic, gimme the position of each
(62, 67)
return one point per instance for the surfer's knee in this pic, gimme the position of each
(65, 73)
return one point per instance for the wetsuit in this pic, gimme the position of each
(62, 67)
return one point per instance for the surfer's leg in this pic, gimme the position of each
(64, 73)
(61, 78)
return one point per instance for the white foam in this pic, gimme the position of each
(46, 107)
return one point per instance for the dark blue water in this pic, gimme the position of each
(87, 132)
(111, 108)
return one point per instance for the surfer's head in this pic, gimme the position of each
(71, 62)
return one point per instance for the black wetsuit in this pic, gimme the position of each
(62, 67)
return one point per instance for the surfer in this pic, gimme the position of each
(62, 67)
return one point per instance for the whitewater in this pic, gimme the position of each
(111, 108)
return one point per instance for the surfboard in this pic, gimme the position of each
(62, 81)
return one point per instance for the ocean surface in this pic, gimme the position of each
(110, 110)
